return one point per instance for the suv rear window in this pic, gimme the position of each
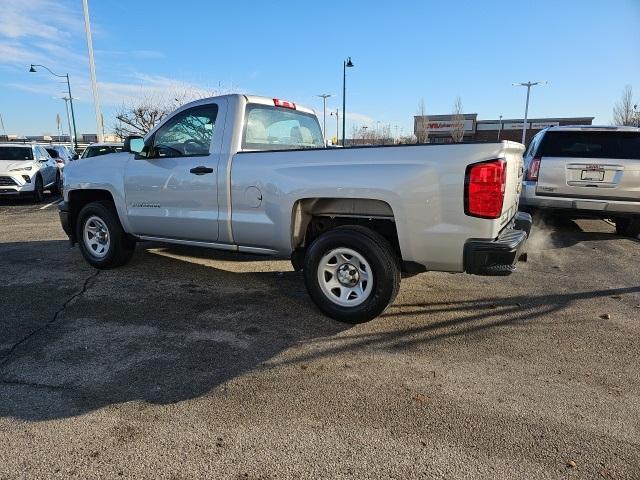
(16, 153)
(277, 128)
(585, 144)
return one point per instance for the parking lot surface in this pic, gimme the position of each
(201, 364)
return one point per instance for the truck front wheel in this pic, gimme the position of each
(352, 274)
(103, 242)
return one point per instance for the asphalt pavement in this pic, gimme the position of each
(202, 364)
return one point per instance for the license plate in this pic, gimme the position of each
(592, 175)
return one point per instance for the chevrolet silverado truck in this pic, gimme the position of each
(251, 174)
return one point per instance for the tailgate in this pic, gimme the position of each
(596, 164)
(515, 170)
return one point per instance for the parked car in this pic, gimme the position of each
(55, 154)
(585, 171)
(27, 169)
(64, 152)
(251, 174)
(97, 149)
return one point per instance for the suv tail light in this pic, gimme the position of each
(532, 171)
(484, 188)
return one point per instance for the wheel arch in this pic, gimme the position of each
(78, 198)
(310, 217)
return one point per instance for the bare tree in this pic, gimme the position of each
(139, 118)
(421, 127)
(457, 121)
(623, 110)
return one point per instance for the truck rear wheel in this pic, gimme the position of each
(352, 274)
(103, 242)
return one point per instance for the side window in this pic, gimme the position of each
(187, 134)
(42, 153)
(533, 145)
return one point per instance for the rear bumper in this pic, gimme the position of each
(499, 256)
(597, 207)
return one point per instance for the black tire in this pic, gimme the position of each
(378, 253)
(56, 187)
(121, 247)
(628, 226)
(38, 189)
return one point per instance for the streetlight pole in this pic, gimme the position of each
(337, 114)
(92, 70)
(526, 108)
(75, 134)
(324, 97)
(500, 128)
(346, 63)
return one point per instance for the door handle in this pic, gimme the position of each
(201, 170)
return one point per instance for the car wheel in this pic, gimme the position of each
(628, 226)
(352, 274)
(103, 242)
(38, 189)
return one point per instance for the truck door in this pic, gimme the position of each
(171, 186)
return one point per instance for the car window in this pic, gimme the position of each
(42, 153)
(15, 153)
(276, 128)
(188, 133)
(53, 153)
(97, 150)
(591, 144)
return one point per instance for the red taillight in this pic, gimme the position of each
(284, 104)
(532, 171)
(484, 189)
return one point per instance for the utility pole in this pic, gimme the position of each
(92, 69)
(500, 128)
(337, 114)
(526, 108)
(324, 97)
(4, 130)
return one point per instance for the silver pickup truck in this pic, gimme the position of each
(251, 174)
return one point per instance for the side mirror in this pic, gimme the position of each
(133, 144)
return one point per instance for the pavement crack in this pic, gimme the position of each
(53, 319)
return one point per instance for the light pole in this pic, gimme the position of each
(92, 70)
(324, 97)
(500, 128)
(73, 117)
(526, 108)
(346, 63)
(337, 114)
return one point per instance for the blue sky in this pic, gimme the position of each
(402, 51)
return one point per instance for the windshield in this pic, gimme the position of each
(97, 150)
(16, 153)
(276, 128)
(623, 145)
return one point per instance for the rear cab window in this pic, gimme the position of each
(591, 144)
(268, 127)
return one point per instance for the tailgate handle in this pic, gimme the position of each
(201, 170)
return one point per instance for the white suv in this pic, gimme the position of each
(585, 171)
(27, 169)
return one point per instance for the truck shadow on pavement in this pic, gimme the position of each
(164, 329)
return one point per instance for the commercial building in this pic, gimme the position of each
(439, 127)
